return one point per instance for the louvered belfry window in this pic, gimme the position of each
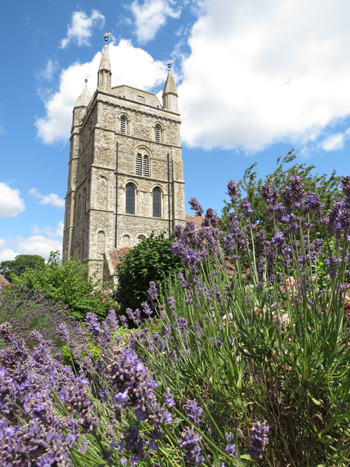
(138, 164)
(158, 133)
(123, 125)
(130, 199)
(145, 166)
(157, 202)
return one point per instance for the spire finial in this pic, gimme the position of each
(86, 79)
(169, 62)
(106, 36)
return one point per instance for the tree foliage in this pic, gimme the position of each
(151, 260)
(326, 187)
(20, 264)
(66, 283)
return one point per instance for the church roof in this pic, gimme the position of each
(105, 62)
(170, 86)
(3, 283)
(84, 98)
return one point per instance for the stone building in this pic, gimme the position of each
(125, 170)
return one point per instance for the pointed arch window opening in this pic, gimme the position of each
(157, 202)
(130, 199)
(123, 125)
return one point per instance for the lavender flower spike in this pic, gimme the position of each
(169, 400)
(194, 411)
(195, 205)
(258, 437)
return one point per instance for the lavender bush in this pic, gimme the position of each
(27, 311)
(265, 352)
(250, 368)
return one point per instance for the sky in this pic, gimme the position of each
(255, 78)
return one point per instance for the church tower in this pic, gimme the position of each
(125, 170)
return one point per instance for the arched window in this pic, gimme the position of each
(157, 202)
(123, 124)
(145, 166)
(130, 199)
(138, 164)
(158, 132)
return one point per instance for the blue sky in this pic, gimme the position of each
(255, 78)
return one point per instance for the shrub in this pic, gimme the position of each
(326, 188)
(151, 260)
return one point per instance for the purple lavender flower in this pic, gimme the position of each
(112, 320)
(152, 292)
(146, 308)
(63, 331)
(169, 400)
(233, 191)
(92, 325)
(230, 448)
(6, 332)
(194, 411)
(195, 205)
(258, 437)
(171, 303)
(189, 443)
(246, 209)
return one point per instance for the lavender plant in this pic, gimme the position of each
(27, 311)
(267, 347)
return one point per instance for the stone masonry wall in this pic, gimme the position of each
(90, 218)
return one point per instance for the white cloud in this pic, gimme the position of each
(126, 62)
(333, 142)
(52, 199)
(10, 202)
(50, 68)
(38, 245)
(151, 16)
(5, 253)
(41, 242)
(80, 30)
(49, 231)
(262, 72)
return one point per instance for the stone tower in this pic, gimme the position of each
(125, 170)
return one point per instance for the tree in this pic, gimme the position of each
(326, 187)
(151, 260)
(20, 264)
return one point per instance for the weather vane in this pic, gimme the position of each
(106, 36)
(86, 79)
(169, 62)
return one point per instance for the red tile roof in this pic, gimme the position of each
(118, 255)
(196, 219)
(3, 282)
